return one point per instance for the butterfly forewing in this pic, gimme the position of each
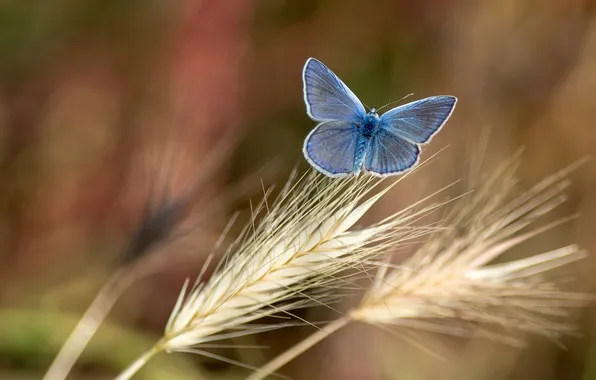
(389, 154)
(326, 96)
(419, 121)
(331, 148)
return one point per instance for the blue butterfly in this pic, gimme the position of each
(348, 139)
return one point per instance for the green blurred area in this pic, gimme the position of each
(104, 104)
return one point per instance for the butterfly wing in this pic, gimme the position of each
(326, 96)
(331, 148)
(388, 154)
(419, 121)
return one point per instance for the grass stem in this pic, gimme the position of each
(299, 348)
(88, 325)
(138, 364)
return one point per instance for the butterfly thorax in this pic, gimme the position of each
(369, 125)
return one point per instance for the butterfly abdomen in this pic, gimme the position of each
(360, 153)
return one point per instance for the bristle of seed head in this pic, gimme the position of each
(304, 239)
(451, 277)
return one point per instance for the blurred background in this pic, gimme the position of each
(111, 108)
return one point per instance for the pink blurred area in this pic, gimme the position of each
(104, 104)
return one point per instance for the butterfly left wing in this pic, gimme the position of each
(326, 96)
(388, 154)
(419, 121)
(331, 148)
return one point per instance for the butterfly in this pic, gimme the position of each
(349, 140)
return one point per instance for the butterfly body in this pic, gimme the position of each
(366, 129)
(348, 139)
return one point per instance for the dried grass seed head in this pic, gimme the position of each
(451, 277)
(303, 240)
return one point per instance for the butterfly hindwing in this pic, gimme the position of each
(419, 121)
(389, 154)
(331, 148)
(326, 96)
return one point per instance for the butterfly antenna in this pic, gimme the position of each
(395, 101)
(367, 107)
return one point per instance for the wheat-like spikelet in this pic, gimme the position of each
(300, 245)
(452, 278)
(303, 241)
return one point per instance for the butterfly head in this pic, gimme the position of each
(373, 112)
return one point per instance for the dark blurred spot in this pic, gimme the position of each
(155, 227)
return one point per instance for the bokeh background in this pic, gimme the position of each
(109, 106)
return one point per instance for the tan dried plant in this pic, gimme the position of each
(451, 285)
(303, 242)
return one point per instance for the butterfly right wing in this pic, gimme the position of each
(419, 121)
(331, 148)
(326, 96)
